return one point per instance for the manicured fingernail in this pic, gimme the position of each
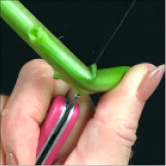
(11, 159)
(150, 82)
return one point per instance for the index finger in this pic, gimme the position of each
(26, 109)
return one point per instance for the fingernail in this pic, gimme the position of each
(11, 159)
(150, 82)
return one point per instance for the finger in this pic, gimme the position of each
(26, 109)
(108, 137)
(86, 112)
(3, 101)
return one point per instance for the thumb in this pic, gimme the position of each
(108, 137)
(123, 107)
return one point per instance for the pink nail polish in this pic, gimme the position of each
(150, 82)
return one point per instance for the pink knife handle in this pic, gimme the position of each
(48, 125)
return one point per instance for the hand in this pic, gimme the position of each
(101, 137)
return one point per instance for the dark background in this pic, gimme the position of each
(141, 38)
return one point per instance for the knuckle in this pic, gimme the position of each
(126, 129)
(33, 65)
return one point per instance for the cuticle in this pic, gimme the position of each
(139, 99)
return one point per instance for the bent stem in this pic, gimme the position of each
(85, 80)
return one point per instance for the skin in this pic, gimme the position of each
(102, 135)
(83, 79)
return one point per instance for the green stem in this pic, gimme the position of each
(85, 80)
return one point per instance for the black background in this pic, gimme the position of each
(141, 38)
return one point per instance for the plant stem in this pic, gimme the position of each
(85, 80)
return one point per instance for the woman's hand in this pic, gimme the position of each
(102, 135)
